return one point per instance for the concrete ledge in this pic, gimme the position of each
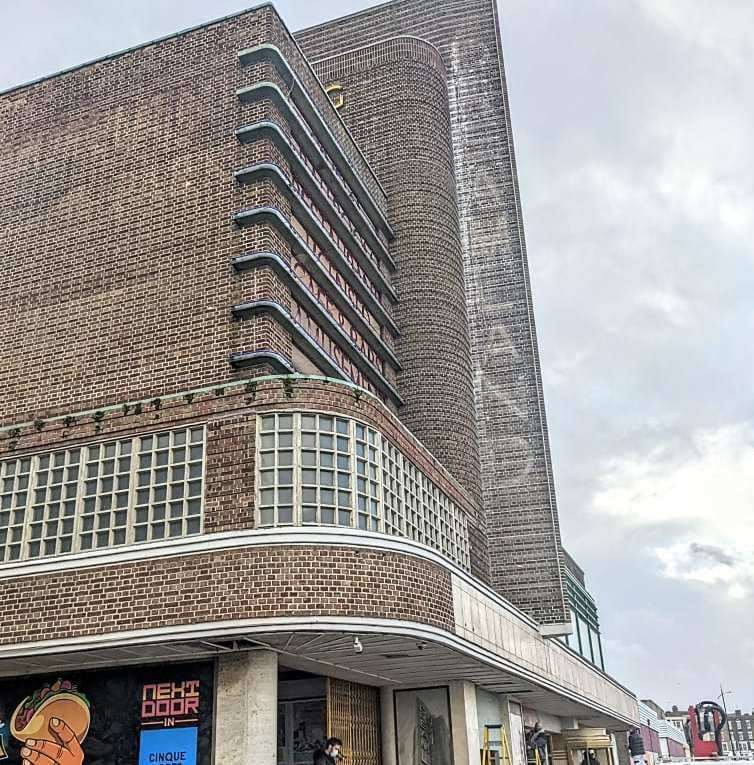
(251, 358)
(556, 630)
(272, 132)
(267, 51)
(313, 349)
(268, 171)
(301, 291)
(275, 218)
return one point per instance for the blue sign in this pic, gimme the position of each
(168, 746)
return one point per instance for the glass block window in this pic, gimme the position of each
(169, 485)
(321, 469)
(392, 489)
(367, 479)
(106, 485)
(326, 470)
(103, 495)
(14, 492)
(276, 470)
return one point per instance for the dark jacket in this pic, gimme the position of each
(321, 757)
(636, 744)
(538, 740)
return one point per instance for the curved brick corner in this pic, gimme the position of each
(230, 585)
(403, 80)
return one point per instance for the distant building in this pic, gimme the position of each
(737, 734)
(664, 741)
(585, 637)
(677, 717)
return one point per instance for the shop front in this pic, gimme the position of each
(156, 715)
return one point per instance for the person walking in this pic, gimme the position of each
(329, 754)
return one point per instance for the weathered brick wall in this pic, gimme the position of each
(115, 220)
(518, 490)
(225, 586)
(397, 96)
(115, 223)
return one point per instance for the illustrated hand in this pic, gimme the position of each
(66, 752)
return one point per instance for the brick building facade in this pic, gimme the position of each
(517, 484)
(241, 479)
(738, 737)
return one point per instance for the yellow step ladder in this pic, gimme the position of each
(502, 742)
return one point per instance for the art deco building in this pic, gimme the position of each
(273, 454)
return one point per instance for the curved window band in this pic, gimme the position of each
(324, 470)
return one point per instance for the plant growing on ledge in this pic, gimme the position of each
(14, 433)
(288, 387)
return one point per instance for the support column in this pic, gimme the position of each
(246, 709)
(513, 729)
(621, 746)
(387, 726)
(465, 723)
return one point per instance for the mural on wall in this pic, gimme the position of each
(422, 719)
(52, 723)
(137, 716)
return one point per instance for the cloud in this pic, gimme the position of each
(699, 492)
(633, 126)
(722, 29)
(712, 553)
(711, 565)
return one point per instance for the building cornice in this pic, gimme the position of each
(317, 537)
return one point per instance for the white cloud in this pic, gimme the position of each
(672, 306)
(722, 28)
(700, 494)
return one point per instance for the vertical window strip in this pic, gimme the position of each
(15, 476)
(324, 470)
(169, 480)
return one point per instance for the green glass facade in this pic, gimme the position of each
(585, 638)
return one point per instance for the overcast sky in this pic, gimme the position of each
(634, 127)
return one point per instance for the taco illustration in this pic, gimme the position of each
(59, 700)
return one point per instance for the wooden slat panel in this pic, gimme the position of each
(353, 715)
